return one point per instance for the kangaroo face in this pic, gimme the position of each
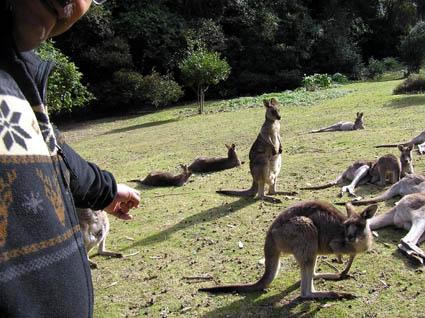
(359, 121)
(231, 151)
(357, 231)
(272, 112)
(186, 171)
(406, 154)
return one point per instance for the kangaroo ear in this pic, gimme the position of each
(274, 101)
(357, 114)
(233, 146)
(409, 147)
(227, 146)
(266, 103)
(400, 147)
(361, 114)
(350, 209)
(369, 211)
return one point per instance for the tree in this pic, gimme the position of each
(412, 48)
(202, 68)
(65, 90)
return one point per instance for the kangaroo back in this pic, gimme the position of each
(165, 179)
(211, 164)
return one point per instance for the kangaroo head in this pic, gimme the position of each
(272, 112)
(231, 151)
(406, 154)
(186, 171)
(357, 230)
(359, 121)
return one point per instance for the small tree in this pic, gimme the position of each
(201, 69)
(412, 48)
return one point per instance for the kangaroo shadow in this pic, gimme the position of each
(205, 216)
(408, 101)
(145, 125)
(270, 306)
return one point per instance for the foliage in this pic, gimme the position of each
(392, 64)
(65, 92)
(375, 69)
(201, 69)
(412, 48)
(339, 78)
(316, 81)
(414, 84)
(160, 90)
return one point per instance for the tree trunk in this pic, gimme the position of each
(199, 93)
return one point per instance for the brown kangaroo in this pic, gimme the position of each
(95, 227)
(372, 171)
(419, 141)
(411, 183)
(343, 125)
(166, 179)
(264, 157)
(409, 214)
(305, 230)
(208, 164)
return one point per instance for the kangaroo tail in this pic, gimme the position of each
(272, 254)
(387, 146)
(241, 193)
(376, 199)
(319, 187)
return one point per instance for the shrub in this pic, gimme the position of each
(412, 48)
(316, 81)
(339, 78)
(375, 69)
(160, 90)
(414, 84)
(65, 92)
(392, 64)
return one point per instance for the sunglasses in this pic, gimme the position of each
(63, 3)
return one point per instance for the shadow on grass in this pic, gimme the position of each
(407, 101)
(273, 306)
(205, 216)
(145, 125)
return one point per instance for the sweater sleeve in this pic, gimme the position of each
(90, 186)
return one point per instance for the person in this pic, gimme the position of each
(43, 267)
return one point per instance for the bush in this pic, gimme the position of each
(316, 81)
(391, 64)
(65, 92)
(375, 69)
(414, 84)
(339, 78)
(160, 90)
(412, 48)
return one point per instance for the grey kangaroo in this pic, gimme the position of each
(95, 227)
(409, 214)
(305, 230)
(411, 183)
(387, 167)
(166, 179)
(418, 141)
(210, 164)
(264, 157)
(343, 125)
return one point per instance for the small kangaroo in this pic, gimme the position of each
(411, 183)
(95, 227)
(387, 167)
(166, 179)
(343, 125)
(419, 141)
(208, 164)
(409, 213)
(264, 157)
(305, 230)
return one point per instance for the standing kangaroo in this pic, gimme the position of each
(411, 183)
(166, 179)
(373, 171)
(264, 157)
(343, 125)
(305, 230)
(419, 141)
(208, 164)
(409, 213)
(95, 227)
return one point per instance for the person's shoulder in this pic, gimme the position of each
(8, 85)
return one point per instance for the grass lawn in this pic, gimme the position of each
(192, 231)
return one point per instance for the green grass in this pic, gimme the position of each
(192, 231)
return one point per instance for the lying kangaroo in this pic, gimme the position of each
(264, 157)
(419, 141)
(343, 125)
(411, 183)
(208, 164)
(305, 230)
(95, 227)
(409, 213)
(378, 171)
(166, 179)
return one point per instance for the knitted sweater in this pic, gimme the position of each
(43, 265)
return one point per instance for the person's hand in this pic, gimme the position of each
(125, 199)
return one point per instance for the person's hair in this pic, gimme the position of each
(6, 21)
